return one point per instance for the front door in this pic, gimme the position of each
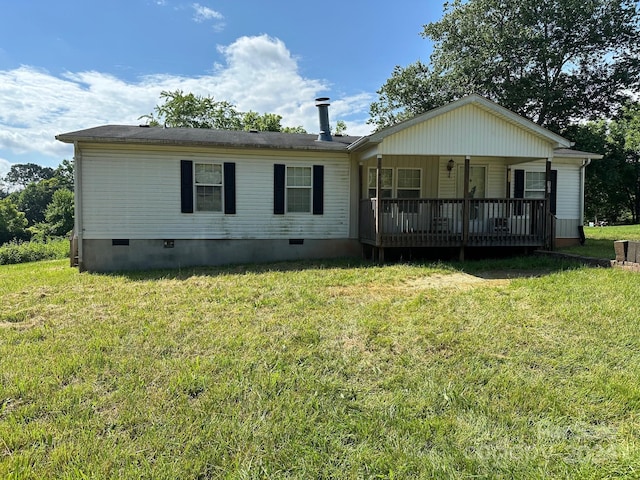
(477, 181)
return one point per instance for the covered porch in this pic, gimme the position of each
(468, 174)
(465, 221)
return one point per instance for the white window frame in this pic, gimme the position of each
(371, 178)
(215, 185)
(288, 188)
(393, 188)
(534, 192)
(398, 188)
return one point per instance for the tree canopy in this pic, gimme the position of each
(195, 111)
(39, 203)
(613, 183)
(22, 174)
(553, 61)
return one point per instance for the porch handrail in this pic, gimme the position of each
(441, 222)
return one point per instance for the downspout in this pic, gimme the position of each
(585, 163)
(77, 180)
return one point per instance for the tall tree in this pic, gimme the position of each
(22, 174)
(64, 174)
(613, 183)
(59, 213)
(195, 111)
(33, 200)
(13, 223)
(625, 134)
(551, 61)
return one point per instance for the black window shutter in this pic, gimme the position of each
(230, 188)
(186, 186)
(278, 189)
(318, 189)
(554, 191)
(518, 184)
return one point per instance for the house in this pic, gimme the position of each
(471, 174)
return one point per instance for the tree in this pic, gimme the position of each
(552, 62)
(625, 135)
(341, 128)
(195, 111)
(12, 222)
(59, 213)
(613, 183)
(22, 174)
(64, 174)
(269, 122)
(33, 200)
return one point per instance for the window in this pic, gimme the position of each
(534, 184)
(201, 187)
(208, 187)
(386, 185)
(409, 183)
(299, 189)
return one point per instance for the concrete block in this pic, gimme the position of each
(621, 247)
(633, 252)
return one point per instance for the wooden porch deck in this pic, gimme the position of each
(428, 222)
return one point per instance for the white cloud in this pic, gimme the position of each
(5, 166)
(203, 14)
(258, 73)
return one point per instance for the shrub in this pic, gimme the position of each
(22, 252)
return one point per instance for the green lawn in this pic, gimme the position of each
(321, 370)
(599, 243)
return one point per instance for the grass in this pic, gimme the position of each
(320, 370)
(599, 243)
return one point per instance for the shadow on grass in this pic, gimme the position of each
(492, 268)
(593, 247)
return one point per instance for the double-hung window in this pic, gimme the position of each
(208, 187)
(408, 183)
(534, 184)
(386, 184)
(401, 183)
(299, 189)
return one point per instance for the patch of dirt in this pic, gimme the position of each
(463, 281)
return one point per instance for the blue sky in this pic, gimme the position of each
(66, 65)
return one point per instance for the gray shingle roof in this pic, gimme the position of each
(204, 137)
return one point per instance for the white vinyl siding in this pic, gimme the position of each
(468, 130)
(135, 193)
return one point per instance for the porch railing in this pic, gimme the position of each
(428, 222)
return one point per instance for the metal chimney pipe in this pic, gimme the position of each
(323, 112)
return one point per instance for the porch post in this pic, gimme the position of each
(378, 201)
(465, 207)
(549, 240)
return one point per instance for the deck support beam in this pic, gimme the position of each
(378, 201)
(547, 212)
(466, 207)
